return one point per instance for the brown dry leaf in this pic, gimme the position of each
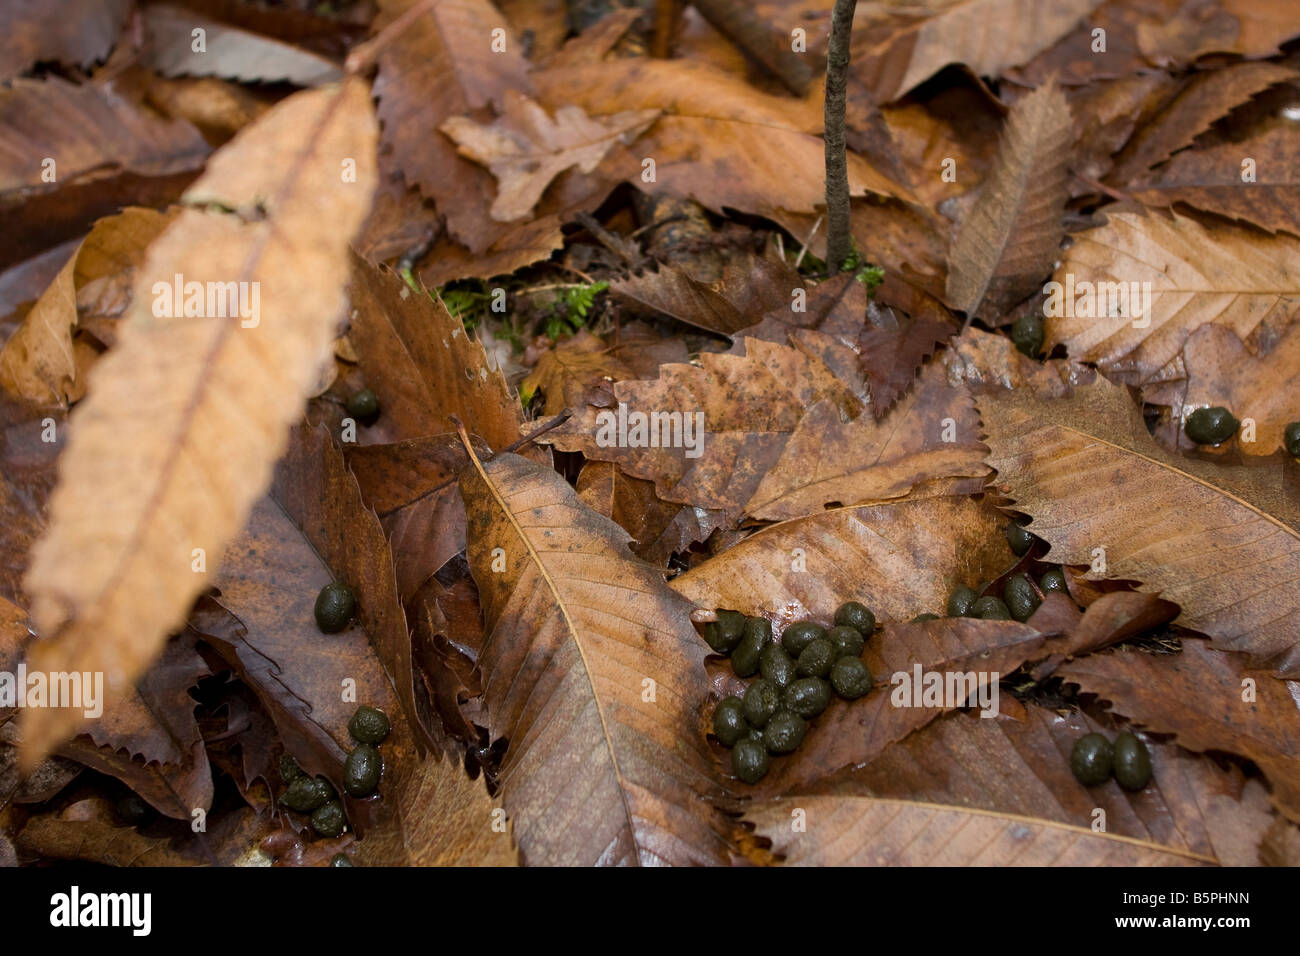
(1009, 239)
(1021, 765)
(852, 733)
(720, 141)
(1211, 179)
(1198, 275)
(1221, 541)
(315, 488)
(72, 32)
(423, 365)
(411, 486)
(269, 581)
(749, 285)
(741, 410)
(959, 123)
(138, 493)
(1264, 389)
(1252, 28)
(36, 363)
(893, 348)
(902, 558)
(1109, 619)
(228, 51)
(525, 149)
(578, 371)
(98, 841)
(1205, 98)
(443, 65)
(87, 130)
(579, 633)
(971, 32)
(658, 528)
(983, 361)
(439, 817)
(932, 433)
(1237, 710)
(869, 831)
(219, 108)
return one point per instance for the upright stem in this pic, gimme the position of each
(838, 239)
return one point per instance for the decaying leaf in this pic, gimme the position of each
(1131, 291)
(37, 361)
(1221, 541)
(1008, 241)
(1237, 710)
(591, 670)
(525, 148)
(140, 491)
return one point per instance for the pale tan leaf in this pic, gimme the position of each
(579, 633)
(1009, 239)
(525, 148)
(37, 362)
(1197, 275)
(1221, 541)
(186, 416)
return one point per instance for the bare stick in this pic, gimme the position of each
(838, 239)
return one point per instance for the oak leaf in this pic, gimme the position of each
(525, 149)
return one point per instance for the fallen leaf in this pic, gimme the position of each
(109, 583)
(1221, 541)
(1195, 274)
(442, 65)
(578, 629)
(971, 32)
(900, 558)
(1236, 710)
(719, 142)
(227, 51)
(1009, 239)
(525, 149)
(36, 363)
(73, 32)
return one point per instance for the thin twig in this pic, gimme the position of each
(807, 242)
(838, 236)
